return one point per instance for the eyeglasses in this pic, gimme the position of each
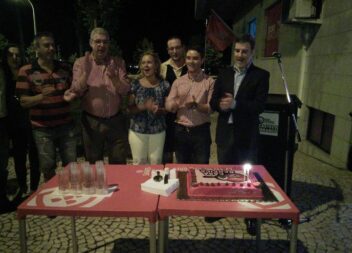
(104, 42)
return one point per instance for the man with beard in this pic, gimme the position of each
(239, 96)
(100, 80)
(41, 86)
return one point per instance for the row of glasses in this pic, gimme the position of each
(82, 179)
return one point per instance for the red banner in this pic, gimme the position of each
(218, 33)
(273, 19)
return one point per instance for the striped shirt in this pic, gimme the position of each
(53, 110)
(183, 90)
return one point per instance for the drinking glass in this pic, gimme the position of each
(75, 180)
(64, 181)
(101, 185)
(88, 186)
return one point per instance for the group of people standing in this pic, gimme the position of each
(169, 106)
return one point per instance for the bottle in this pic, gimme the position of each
(166, 175)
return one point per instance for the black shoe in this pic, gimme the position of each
(212, 219)
(251, 225)
(6, 206)
(285, 224)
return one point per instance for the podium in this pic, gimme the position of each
(277, 142)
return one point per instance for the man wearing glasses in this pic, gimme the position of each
(171, 69)
(100, 80)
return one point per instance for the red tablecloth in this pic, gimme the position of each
(282, 209)
(128, 201)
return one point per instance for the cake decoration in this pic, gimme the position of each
(235, 183)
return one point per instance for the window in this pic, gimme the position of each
(320, 128)
(252, 27)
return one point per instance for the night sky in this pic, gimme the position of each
(154, 19)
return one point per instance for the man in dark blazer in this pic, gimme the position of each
(239, 96)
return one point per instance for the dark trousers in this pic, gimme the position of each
(101, 134)
(23, 143)
(193, 144)
(4, 156)
(232, 152)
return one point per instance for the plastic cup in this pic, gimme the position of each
(75, 180)
(64, 180)
(88, 186)
(101, 185)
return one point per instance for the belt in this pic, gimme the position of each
(101, 118)
(189, 129)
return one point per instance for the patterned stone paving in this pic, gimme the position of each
(322, 193)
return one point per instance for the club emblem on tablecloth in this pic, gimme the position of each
(281, 203)
(52, 198)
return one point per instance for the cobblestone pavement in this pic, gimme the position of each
(322, 193)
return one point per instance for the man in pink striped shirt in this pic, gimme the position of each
(100, 80)
(189, 98)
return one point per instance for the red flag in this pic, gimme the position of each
(218, 33)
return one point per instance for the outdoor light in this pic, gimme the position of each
(34, 19)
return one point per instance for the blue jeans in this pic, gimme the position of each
(63, 138)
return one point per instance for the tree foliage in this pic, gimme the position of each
(213, 59)
(102, 13)
(3, 42)
(142, 46)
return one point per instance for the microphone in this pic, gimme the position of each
(276, 54)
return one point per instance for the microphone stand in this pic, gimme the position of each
(278, 57)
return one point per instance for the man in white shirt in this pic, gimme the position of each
(170, 70)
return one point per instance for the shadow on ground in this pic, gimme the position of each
(307, 196)
(206, 246)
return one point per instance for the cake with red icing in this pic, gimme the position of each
(222, 183)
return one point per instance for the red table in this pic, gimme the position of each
(128, 201)
(282, 209)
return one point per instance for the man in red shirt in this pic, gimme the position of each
(100, 80)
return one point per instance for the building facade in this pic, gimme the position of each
(315, 43)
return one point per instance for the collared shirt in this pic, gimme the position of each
(52, 110)
(101, 99)
(238, 78)
(163, 69)
(183, 90)
(3, 111)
